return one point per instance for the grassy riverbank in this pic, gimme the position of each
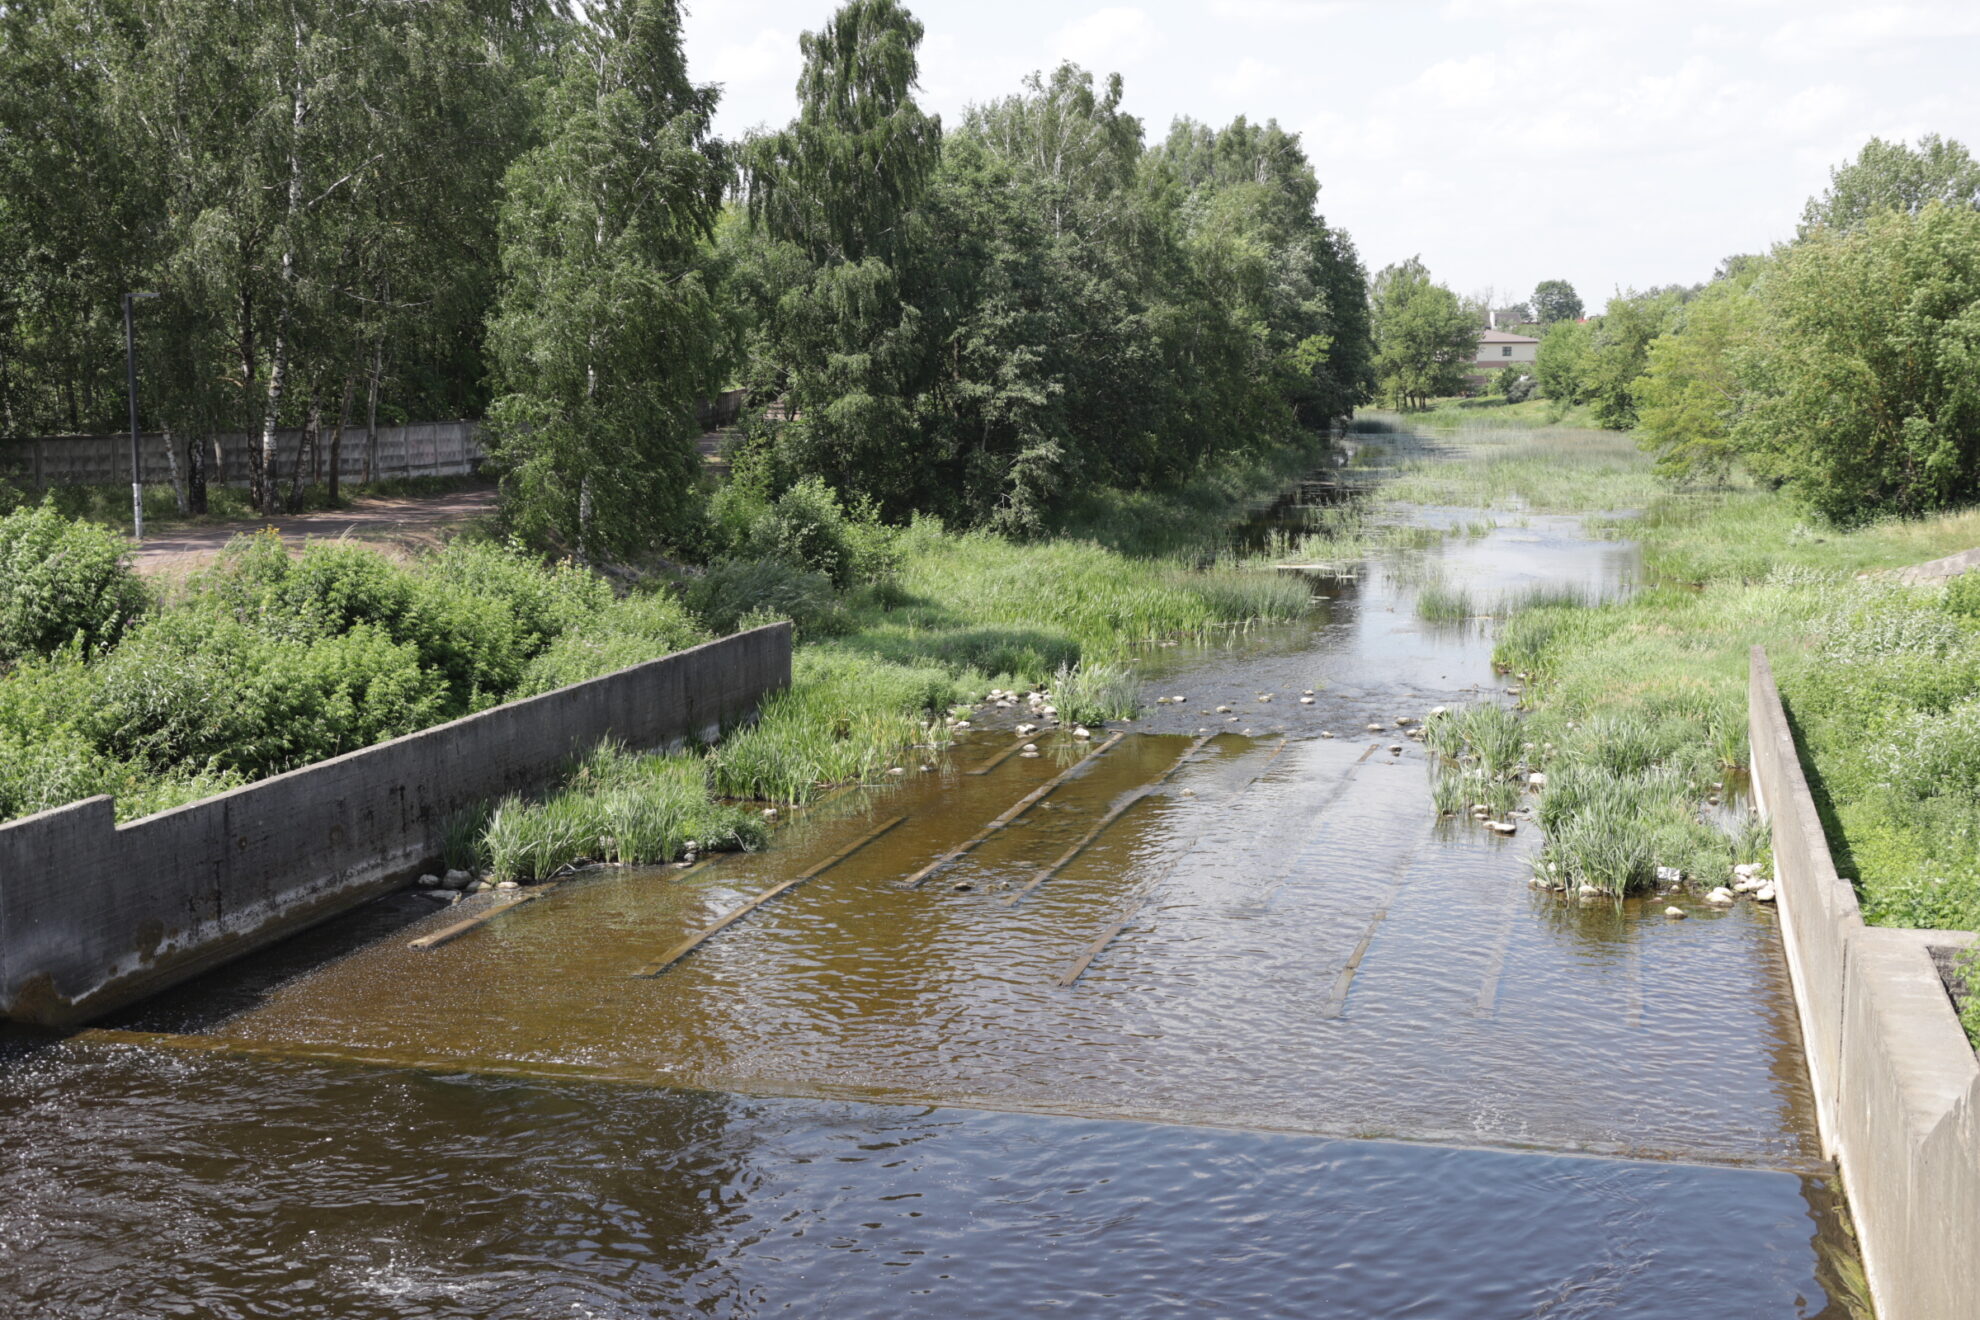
(1638, 707)
(160, 693)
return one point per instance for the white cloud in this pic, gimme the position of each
(1506, 140)
(1850, 31)
(1251, 76)
(1107, 39)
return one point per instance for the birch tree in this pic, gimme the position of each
(605, 334)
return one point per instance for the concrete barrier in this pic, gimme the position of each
(1897, 1085)
(94, 915)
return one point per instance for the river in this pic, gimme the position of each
(1227, 1023)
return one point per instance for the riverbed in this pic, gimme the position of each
(1225, 1021)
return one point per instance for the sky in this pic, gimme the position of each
(1613, 143)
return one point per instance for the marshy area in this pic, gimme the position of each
(1213, 1009)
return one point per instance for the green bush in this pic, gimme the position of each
(186, 690)
(735, 590)
(62, 582)
(639, 628)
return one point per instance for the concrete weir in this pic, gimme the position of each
(94, 915)
(1897, 1086)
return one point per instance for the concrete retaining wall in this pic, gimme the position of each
(94, 915)
(1897, 1085)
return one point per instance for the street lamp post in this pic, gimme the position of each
(130, 379)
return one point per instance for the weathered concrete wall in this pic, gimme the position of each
(419, 449)
(94, 915)
(1897, 1085)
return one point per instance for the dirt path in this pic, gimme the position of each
(404, 522)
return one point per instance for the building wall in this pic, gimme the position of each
(94, 915)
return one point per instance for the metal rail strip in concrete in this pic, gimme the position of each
(1133, 909)
(696, 940)
(1022, 805)
(1111, 815)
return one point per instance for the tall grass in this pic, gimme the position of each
(846, 718)
(1570, 471)
(1440, 602)
(1090, 694)
(616, 806)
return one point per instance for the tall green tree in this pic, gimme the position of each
(1557, 364)
(1692, 389)
(1891, 176)
(1864, 386)
(605, 334)
(846, 345)
(1425, 340)
(1555, 301)
(1617, 352)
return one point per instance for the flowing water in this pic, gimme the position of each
(1225, 1023)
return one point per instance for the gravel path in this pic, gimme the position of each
(407, 523)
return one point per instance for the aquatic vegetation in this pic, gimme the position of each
(1090, 694)
(846, 718)
(1439, 602)
(616, 806)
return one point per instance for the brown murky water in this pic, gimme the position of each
(1146, 1078)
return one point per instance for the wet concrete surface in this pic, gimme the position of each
(1276, 1041)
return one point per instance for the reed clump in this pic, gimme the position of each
(616, 806)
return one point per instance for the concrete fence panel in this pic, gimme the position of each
(419, 449)
(1897, 1085)
(94, 915)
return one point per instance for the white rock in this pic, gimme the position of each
(1325, 733)
(1404, 721)
(1179, 700)
(962, 724)
(1223, 710)
(1501, 827)
(1537, 779)
(895, 770)
(769, 813)
(1720, 897)
(1765, 893)
(1746, 870)
(429, 882)
(1395, 749)
(1591, 891)
(508, 884)
(457, 879)
(1306, 701)
(1677, 912)
(1031, 747)
(1375, 728)
(1435, 711)
(1081, 733)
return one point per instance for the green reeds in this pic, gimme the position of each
(1439, 602)
(617, 806)
(845, 719)
(1092, 694)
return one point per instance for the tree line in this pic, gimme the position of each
(359, 210)
(1844, 364)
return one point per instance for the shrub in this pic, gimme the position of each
(185, 690)
(735, 589)
(62, 582)
(639, 628)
